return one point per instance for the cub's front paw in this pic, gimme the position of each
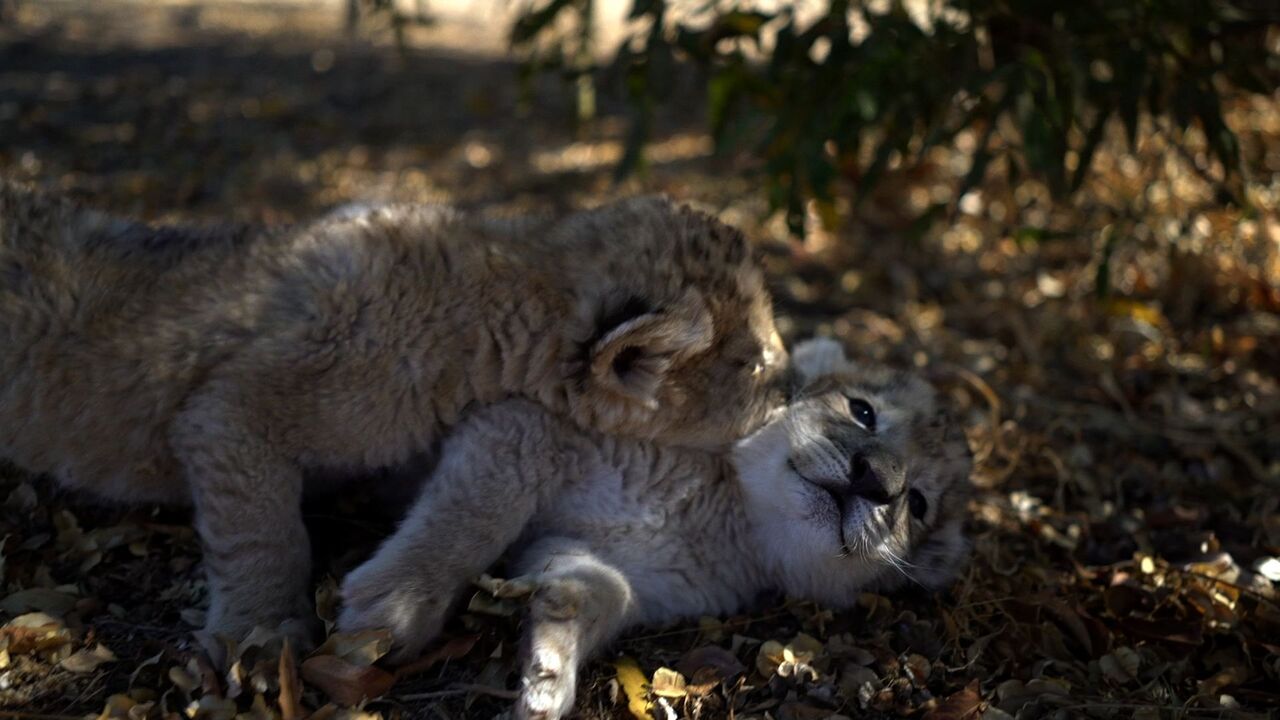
(414, 615)
(548, 686)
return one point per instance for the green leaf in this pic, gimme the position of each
(902, 90)
(723, 90)
(1043, 145)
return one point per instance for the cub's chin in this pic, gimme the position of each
(801, 531)
(847, 523)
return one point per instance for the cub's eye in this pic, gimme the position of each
(862, 413)
(917, 504)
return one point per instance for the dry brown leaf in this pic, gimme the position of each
(1048, 686)
(363, 647)
(962, 705)
(1112, 671)
(769, 657)
(484, 603)
(198, 666)
(117, 707)
(259, 710)
(795, 659)
(1130, 661)
(504, 589)
(806, 645)
(270, 640)
(183, 680)
(1228, 677)
(1268, 567)
(211, 707)
(33, 620)
(45, 600)
(290, 688)
(708, 666)
(1013, 694)
(346, 683)
(668, 683)
(328, 598)
(142, 711)
(88, 660)
(236, 677)
(33, 633)
(919, 668)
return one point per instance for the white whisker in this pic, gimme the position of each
(900, 559)
(899, 564)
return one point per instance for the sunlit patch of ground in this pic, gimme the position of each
(1114, 359)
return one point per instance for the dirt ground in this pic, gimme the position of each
(1114, 358)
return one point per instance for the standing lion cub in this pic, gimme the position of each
(225, 367)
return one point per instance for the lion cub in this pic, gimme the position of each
(860, 482)
(232, 368)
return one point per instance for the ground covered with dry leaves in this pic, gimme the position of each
(1114, 358)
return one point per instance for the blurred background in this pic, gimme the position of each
(1066, 213)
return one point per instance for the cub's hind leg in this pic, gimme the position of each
(580, 603)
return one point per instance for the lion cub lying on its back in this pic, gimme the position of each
(230, 367)
(859, 482)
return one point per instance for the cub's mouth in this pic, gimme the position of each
(831, 504)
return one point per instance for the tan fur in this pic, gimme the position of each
(612, 533)
(222, 367)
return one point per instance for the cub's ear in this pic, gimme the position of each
(634, 356)
(815, 357)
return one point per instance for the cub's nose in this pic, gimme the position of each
(865, 482)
